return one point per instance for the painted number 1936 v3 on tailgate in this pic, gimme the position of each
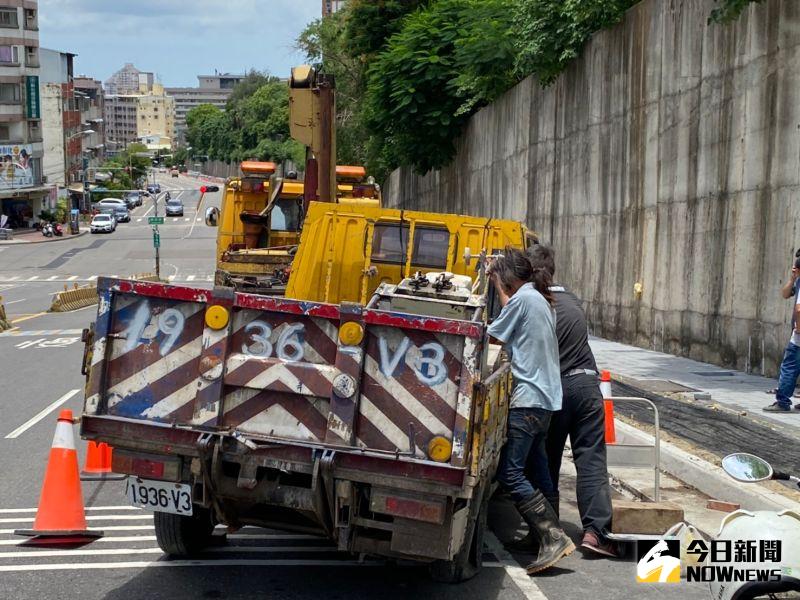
(379, 426)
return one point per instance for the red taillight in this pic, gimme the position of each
(147, 468)
(409, 508)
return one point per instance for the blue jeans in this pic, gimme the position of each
(790, 370)
(527, 430)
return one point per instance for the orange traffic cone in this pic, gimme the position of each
(60, 512)
(98, 463)
(608, 407)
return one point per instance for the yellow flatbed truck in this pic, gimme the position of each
(368, 408)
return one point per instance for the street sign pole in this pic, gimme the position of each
(157, 246)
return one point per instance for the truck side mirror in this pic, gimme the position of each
(212, 216)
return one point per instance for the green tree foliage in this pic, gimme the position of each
(444, 63)
(729, 10)
(254, 125)
(326, 46)
(551, 33)
(369, 23)
(127, 168)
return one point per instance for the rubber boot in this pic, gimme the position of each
(530, 543)
(554, 544)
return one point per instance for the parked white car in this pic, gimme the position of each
(102, 222)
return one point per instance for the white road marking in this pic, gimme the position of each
(190, 278)
(52, 278)
(14, 511)
(15, 301)
(92, 278)
(34, 278)
(198, 219)
(186, 219)
(72, 278)
(189, 563)
(13, 278)
(148, 211)
(156, 550)
(174, 219)
(41, 415)
(144, 515)
(517, 574)
(139, 220)
(171, 278)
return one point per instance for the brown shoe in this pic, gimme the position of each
(593, 543)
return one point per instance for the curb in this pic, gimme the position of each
(46, 240)
(707, 477)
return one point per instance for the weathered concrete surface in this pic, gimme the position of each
(668, 154)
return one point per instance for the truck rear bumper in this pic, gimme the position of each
(380, 504)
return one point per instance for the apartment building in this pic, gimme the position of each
(129, 80)
(212, 89)
(147, 118)
(22, 195)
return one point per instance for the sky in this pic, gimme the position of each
(176, 39)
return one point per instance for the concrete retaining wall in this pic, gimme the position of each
(667, 154)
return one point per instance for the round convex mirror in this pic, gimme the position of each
(746, 467)
(212, 216)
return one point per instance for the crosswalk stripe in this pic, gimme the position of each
(9, 511)
(34, 278)
(190, 278)
(52, 278)
(144, 515)
(188, 563)
(156, 550)
(92, 278)
(72, 278)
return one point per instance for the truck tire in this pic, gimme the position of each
(469, 560)
(178, 535)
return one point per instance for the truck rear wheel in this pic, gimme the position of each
(469, 560)
(178, 535)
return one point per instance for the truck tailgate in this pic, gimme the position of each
(276, 368)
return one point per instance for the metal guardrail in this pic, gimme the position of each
(639, 456)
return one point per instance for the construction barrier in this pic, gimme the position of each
(4, 324)
(83, 296)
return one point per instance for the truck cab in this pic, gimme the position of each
(260, 222)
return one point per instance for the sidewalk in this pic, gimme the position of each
(681, 378)
(33, 236)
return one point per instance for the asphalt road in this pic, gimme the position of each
(40, 375)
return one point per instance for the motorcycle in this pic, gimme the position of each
(47, 230)
(758, 525)
(58, 230)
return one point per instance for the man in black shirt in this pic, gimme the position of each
(581, 416)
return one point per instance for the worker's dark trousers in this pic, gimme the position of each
(581, 418)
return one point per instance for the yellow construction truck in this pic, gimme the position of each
(260, 219)
(367, 406)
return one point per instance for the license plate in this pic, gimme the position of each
(163, 496)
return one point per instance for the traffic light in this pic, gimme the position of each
(202, 189)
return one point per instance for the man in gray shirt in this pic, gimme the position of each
(526, 327)
(581, 417)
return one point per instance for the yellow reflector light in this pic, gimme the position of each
(217, 317)
(351, 333)
(440, 449)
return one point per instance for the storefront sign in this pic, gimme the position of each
(33, 110)
(15, 166)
